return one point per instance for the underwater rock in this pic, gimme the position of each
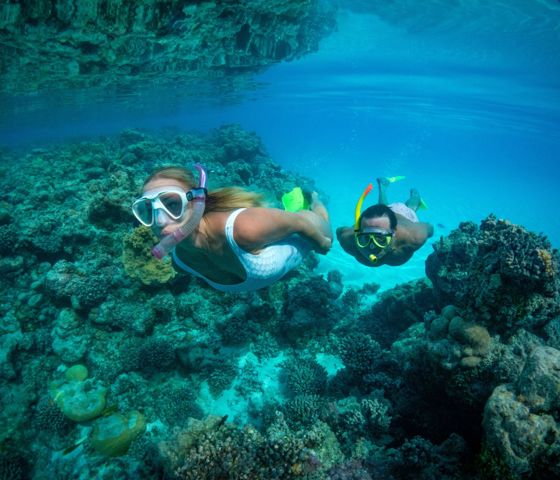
(515, 434)
(520, 418)
(552, 333)
(500, 275)
(539, 381)
(68, 340)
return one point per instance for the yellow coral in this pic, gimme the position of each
(138, 260)
(546, 258)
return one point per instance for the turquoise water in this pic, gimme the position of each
(462, 98)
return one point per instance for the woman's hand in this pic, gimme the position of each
(323, 244)
(321, 228)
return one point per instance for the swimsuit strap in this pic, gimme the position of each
(229, 232)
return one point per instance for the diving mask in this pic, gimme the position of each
(172, 200)
(375, 237)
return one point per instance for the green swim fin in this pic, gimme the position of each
(396, 178)
(295, 200)
(422, 205)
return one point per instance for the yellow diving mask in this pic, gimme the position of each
(376, 239)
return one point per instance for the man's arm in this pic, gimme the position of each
(422, 231)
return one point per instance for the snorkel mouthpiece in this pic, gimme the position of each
(169, 242)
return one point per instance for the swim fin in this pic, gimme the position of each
(396, 178)
(295, 200)
(422, 205)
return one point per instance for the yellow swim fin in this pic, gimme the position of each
(295, 200)
(422, 205)
(396, 178)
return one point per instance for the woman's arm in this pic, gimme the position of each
(255, 228)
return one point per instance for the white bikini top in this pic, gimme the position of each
(262, 269)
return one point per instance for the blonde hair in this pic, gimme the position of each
(219, 200)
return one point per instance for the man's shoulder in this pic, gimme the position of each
(345, 236)
(415, 234)
(344, 233)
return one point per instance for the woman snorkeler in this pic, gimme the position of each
(225, 236)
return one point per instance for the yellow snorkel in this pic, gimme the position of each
(358, 214)
(358, 211)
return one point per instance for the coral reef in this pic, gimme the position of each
(457, 342)
(303, 376)
(214, 448)
(111, 366)
(102, 44)
(502, 274)
(520, 419)
(396, 310)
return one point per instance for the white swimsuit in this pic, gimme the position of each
(262, 269)
(405, 211)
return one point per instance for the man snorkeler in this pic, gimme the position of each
(385, 234)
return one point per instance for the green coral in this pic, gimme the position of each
(489, 465)
(138, 260)
(80, 399)
(113, 434)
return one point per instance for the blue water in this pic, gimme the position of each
(461, 97)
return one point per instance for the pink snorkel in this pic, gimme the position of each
(198, 199)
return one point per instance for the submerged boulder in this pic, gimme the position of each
(520, 420)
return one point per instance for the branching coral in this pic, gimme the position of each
(303, 376)
(213, 448)
(360, 354)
